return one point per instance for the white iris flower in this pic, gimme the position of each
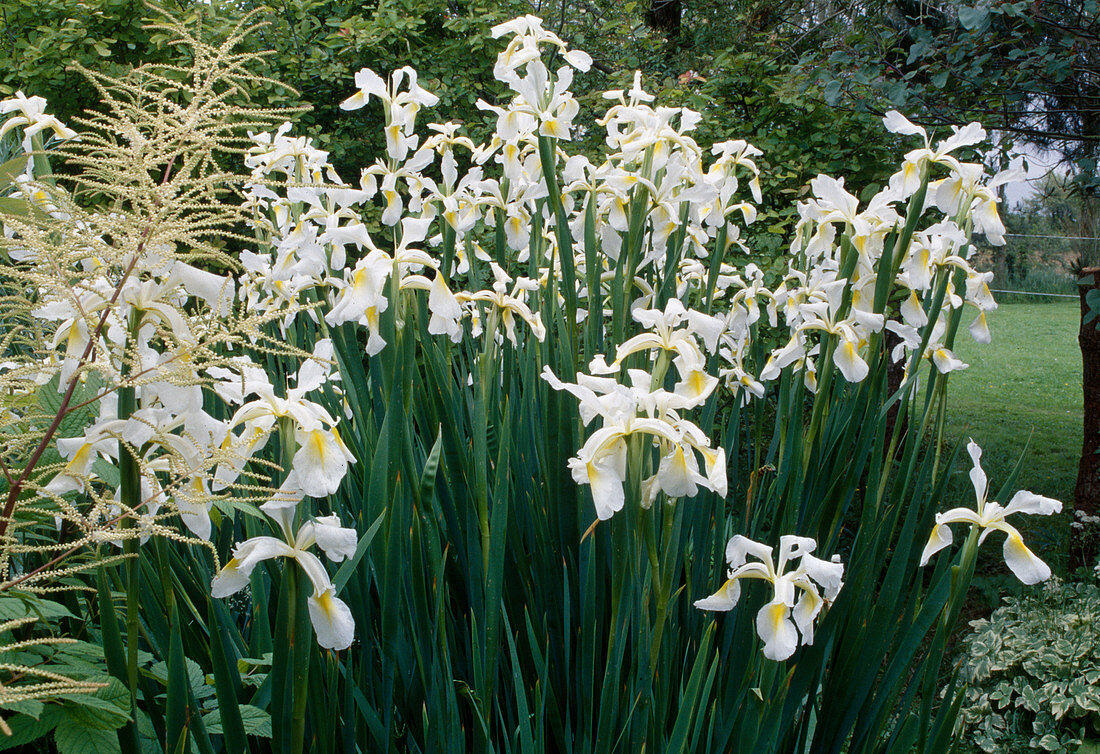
(989, 517)
(331, 617)
(787, 614)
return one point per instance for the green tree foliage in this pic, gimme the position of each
(40, 41)
(317, 47)
(737, 63)
(1031, 69)
(320, 44)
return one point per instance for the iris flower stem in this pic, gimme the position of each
(941, 417)
(485, 374)
(961, 574)
(297, 628)
(932, 304)
(661, 585)
(849, 257)
(299, 635)
(130, 498)
(43, 171)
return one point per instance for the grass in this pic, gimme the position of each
(1021, 399)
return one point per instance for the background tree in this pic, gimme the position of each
(318, 47)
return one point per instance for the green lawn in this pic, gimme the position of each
(1021, 396)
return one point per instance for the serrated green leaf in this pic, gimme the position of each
(71, 737)
(30, 707)
(195, 677)
(230, 505)
(108, 708)
(26, 729)
(106, 471)
(256, 721)
(22, 605)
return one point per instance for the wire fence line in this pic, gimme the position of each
(1036, 293)
(1054, 238)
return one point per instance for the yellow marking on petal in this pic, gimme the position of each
(81, 457)
(317, 440)
(776, 613)
(325, 602)
(698, 382)
(1016, 544)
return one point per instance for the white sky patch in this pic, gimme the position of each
(1038, 163)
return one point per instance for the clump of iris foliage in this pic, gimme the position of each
(535, 461)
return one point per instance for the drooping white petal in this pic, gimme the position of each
(946, 361)
(320, 462)
(193, 503)
(678, 473)
(979, 329)
(775, 627)
(724, 599)
(1026, 566)
(338, 542)
(715, 462)
(848, 361)
(605, 474)
(695, 387)
(446, 313)
(937, 540)
(805, 611)
(332, 621)
(912, 311)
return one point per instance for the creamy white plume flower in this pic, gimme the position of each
(797, 598)
(989, 516)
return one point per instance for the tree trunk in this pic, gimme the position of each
(665, 16)
(1085, 540)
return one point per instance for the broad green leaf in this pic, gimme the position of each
(22, 605)
(974, 19)
(256, 721)
(30, 707)
(227, 679)
(12, 169)
(27, 729)
(73, 738)
(108, 708)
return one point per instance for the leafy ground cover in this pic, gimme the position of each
(1021, 397)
